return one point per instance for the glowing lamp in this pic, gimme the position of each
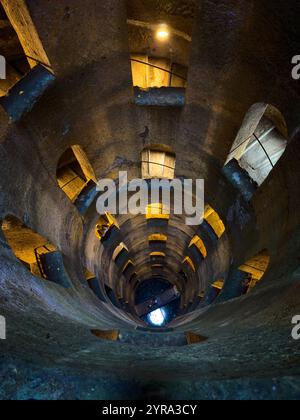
(162, 33)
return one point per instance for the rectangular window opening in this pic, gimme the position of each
(20, 45)
(160, 37)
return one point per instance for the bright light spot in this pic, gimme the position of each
(162, 33)
(157, 317)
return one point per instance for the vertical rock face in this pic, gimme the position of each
(235, 275)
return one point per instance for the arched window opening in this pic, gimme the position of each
(154, 72)
(94, 284)
(157, 237)
(193, 338)
(28, 72)
(35, 252)
(28, 43)
(189, 262)
(158, 161)
(104, 226)
(157, 242)
(157, 255)
(112, 335)
(157, 259)
(260, 142)
(16, 65)
(214, 220)
(214, 291)
(199, 244)
(128, 269)
(89, 275)
(120, 255)
(219, 284)
(128, 266)
(119, 249)
(111, 295)
(157, 211)
(160, 53)
(75, 173)
(256, 268)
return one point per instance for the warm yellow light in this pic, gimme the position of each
(157, 237)
(128, 264)
(190, 263)
(157, 254)
(162, 33)
(105, 223)
(199, 244)
(218, 284)
(157, 211)
(214, 220)
(118, 250)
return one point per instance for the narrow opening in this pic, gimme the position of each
(215, 290)
(31, 249)
(189, 262)
(199, 245)
(16, 62)
(153, 72)
(214, 220)
(94, 284)
(89, 275)
(157, 211)
(112, 335)
(129, 264)
(19, 44)
(256, 268)
(119, 249)
(157, 259)
(157, 237)
(160, 38)
(158, 162)
(260, 142)
(105, 223)
(219, 284)
(74, 172)
(193, 338)
(157, 255)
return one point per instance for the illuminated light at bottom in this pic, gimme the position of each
(157, 317)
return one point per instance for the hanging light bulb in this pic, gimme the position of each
(162, 33)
